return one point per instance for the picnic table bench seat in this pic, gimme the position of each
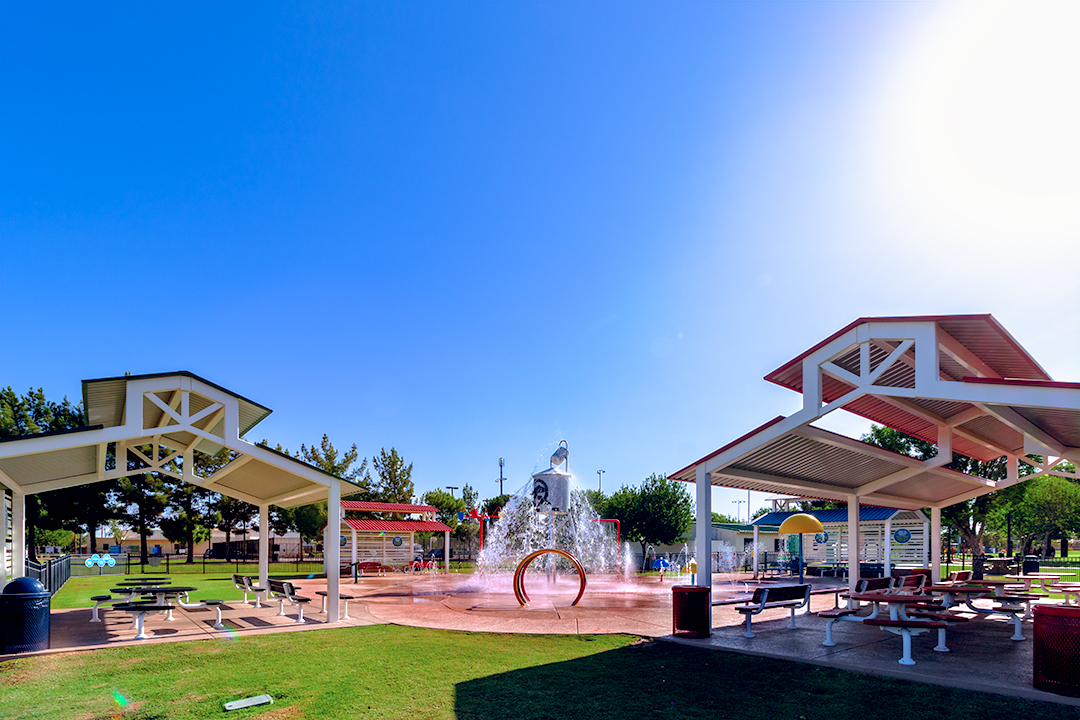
(907, 628)
(245, 585)
(791, 597)
(139, 610)
(341, 596)
(374, 567)
(283, 592)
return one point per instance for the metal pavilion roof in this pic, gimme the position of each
(158, 421)
(867, 513)
(396, 525)
(961, 382)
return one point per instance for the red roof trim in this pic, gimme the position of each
(1024, 383)
(731, 444)
(386, 507)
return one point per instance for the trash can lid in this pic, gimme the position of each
(24, 586)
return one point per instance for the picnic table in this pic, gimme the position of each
(950, 594)
(160, 592)
(1032, 577)
(903, 624)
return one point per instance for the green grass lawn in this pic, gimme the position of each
(399, 672)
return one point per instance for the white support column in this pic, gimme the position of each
(935, 544)
(18, 534)
(853, 541)
(926, 545)
(264, 545)
(888, 547)
(703, 542)
(754, 549)
(446, 550)
(332, 551)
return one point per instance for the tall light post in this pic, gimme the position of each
(500, 475)
(600, 480)
(451, 489)
(738, 514)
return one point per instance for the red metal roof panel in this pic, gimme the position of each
(396, 525)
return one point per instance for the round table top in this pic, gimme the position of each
(154, 590)
(896, 598)
(146, 583)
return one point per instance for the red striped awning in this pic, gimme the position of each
(396, 525)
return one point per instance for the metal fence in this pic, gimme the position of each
(52, 573)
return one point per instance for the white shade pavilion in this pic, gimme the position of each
(959, 381)
(175, 415)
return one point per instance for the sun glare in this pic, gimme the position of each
(982, 119)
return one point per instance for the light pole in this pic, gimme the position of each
(600, 480)
(500, 475)
(738, 514)
(451, 489)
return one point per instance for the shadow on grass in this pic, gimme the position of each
(664, 680)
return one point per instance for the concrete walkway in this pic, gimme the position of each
(982, 656)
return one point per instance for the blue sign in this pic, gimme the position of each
(397, 542)
(100, 560)
(461, 515)
(902, 536)
(821, 538)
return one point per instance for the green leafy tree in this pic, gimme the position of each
(597, 500)
(970, 517)
(722, 518)
(69, 508)
(446, 506)
(340, 464)
(492, 506)
(660, 512)
(394, 483)
(235, 516)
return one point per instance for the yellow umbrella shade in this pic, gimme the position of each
(801, 523)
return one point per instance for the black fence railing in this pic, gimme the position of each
(51, 573)
(177, 564)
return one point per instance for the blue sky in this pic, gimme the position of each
(471, 230)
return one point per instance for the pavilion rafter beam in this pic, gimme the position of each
(1023, 426)
(174, 403)
(958, 352)
(924, 414)
(295, 495)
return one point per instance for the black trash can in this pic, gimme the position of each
(24, 616)
(690, 606)
(1031, 564)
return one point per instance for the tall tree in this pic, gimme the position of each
(394, 484)
(141, 498)
(235, 515)
(969, 517)
(340, 464)
(658, 513)
(493, 505)
(31, 414)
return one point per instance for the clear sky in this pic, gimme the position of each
(471, 230)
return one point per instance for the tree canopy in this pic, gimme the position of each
(659, 512)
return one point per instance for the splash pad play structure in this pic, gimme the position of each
(551, 521)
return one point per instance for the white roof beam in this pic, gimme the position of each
(971, 362)
(1023, 426)
(295, 495)
(928, 416)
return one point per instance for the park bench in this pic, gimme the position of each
(374, 568)
(908, 584)
(244, 584)
(907, 628)
(781, 596)
(283, 592)
(341, 596)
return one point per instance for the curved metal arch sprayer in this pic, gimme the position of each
(519, 574)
